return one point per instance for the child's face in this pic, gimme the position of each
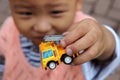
(37, 18)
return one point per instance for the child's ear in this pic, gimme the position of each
(79, 5)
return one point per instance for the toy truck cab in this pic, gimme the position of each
(53, 53)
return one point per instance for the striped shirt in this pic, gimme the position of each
(31, 51)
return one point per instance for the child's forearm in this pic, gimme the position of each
(106, 67)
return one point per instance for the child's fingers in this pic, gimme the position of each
(74, 35)
(88, 55)
(85, 42)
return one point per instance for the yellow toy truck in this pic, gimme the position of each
(53, 53)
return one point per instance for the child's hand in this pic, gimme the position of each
(96, 41)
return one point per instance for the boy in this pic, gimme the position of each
(36, 18)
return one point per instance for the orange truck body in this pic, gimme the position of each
(50, 52)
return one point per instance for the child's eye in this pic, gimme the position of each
(56, 13)
(25, 13)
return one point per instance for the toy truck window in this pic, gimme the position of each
(50, 53)
(45, 55)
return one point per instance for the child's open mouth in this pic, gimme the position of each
(37, 40)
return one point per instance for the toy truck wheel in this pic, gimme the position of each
(67, 59)
(52, 65)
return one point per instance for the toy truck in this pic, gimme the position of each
(53, 53)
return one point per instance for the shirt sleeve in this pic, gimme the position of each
(2, 64)
(94, 71)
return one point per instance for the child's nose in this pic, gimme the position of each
(42, 26)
